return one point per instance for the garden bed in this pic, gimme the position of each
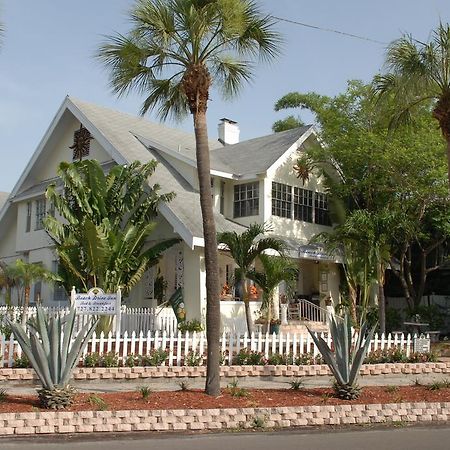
(246, 398)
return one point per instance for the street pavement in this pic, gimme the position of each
(405, 438)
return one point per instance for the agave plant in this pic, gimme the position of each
(345, 361)
(53, 353)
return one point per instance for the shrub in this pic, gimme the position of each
(109, 359)
(386, 355)
(296, 384)
(22, 362)
(247, 357)
(156, 357)
(97, 402)
(145, 392)
(236, 391)
(308, 359)
(193, 359)
(190, 325)
(422, 357)
(132, 360)
(92, 360)
(277, 359)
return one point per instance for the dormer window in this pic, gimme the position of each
(81, 143)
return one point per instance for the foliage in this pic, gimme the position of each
(21, 362)
(191, 325)
(288, 123)
(236, 391)
(388, 189)
(145, 392)
(53, 351)
(438, 385)
(156, 357)
(418, 74)
(394, 320)
(308, 359)
(175, 52)
(110, 359)
(193, 359)
(98, 402)
(422, 357)
(244, 249)
(184, 385)
(386, 355)
(431, 314)
(107, 219)
(296, 384)
(346, 360)
(247, 357)
(275, 270)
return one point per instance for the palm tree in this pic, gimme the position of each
(275, 270)
(418, 73)
(24, 275)
(108, 218)
(244, 249)
(174, 54)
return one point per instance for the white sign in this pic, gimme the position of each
(313, 252)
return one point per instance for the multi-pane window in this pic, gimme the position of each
(281, 200)
(321, 213)
(303, 204)
(40, 213)
(246, 199)
(29, 212)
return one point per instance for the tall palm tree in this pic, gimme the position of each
(419, 72)
(275, 270)
(174, 54)
(244, 249)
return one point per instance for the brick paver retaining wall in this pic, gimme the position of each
(216, 419)
(103, 373)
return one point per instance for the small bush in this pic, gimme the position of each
(190, 325)
(109, 359)
(296, 384)
(132, 360)
(236, 391)
(386, 355)
(184, 385)
(422, 357)
(437, 385)
(145, 392)
(308, 359)
(259, 422)
(247, 357)
(3, 395)
(193, 359)
(97, 402)
(21, 362)
(91, 360)
(276, 359)
(391, 389)
(156, 357)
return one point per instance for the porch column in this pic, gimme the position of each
(194, 283)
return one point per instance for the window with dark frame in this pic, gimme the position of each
(303, 204)
(40, 213)
(281, 200)
(29, 213)
(246, 200)
(321, 212)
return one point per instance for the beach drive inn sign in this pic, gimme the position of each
(98, 303)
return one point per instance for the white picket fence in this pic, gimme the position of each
(179, 346)
(132, 319)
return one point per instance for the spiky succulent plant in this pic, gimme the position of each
(346, 360)
(53, 351)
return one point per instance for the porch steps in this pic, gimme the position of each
(299, 327)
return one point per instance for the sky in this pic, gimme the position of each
(49, 46)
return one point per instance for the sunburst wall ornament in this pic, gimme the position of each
(81, 143)
(302, 170)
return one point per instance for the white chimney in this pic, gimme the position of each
(228, 131)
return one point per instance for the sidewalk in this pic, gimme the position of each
(170, 384)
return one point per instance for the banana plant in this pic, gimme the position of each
(346, 360)
(53, 352)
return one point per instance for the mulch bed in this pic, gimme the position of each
(197, 399)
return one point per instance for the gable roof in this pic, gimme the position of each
(256, 156)
(128, 138)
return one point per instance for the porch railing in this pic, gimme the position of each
(306, 310)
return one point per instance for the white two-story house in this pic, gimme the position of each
(253, 181)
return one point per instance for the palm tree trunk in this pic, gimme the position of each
(246, 299)
(448, 157)
(26, 302)
(212, 386)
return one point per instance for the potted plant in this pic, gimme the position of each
(274, 326)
